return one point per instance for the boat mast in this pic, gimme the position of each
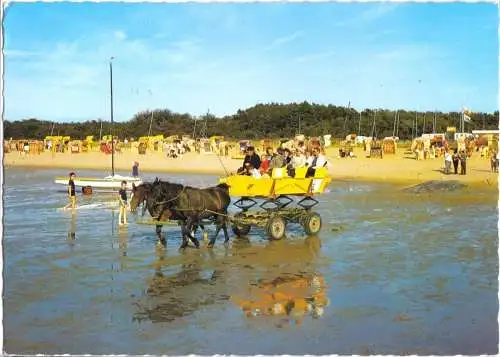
(152, 115)
(112, 136)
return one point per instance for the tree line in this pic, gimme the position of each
(273, 120)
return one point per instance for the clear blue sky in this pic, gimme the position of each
(222, 57)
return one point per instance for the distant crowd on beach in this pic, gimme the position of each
(461, 157)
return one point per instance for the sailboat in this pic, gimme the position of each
(110, 182)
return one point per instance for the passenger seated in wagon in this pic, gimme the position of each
(298, 161)
(287, 157)
(315, 161)
(250, 157)
(250, 170)
(266, 161)
(278, 160)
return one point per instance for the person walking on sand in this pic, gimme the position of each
(447, 162)
(456, 160)
(463, 162)
(497, 160)
(122, 217)
(71, 192)
(135, 169)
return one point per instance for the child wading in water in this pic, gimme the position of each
(123, 204)
(71, 192)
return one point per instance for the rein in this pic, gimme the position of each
(144, 206)
(172, 199)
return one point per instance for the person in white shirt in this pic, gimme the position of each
(252, 171)
(298, 160)
(447, 162)
(321, 159)
(318, 160)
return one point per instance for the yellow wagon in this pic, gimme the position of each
(276, 192)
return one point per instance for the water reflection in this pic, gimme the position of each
(122, 247)
(279, 279)
(291, 289)
(72, 229)
(181, 294)
(293, 297)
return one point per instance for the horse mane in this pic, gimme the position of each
(223, 186)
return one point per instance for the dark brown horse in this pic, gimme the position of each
(144, 194)
(190, 205)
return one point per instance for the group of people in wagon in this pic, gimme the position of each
(284, 158)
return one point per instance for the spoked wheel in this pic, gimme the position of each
(276, 226)
(312, 223)
(240, 230)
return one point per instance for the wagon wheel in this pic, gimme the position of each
(240, 230)
(312, 223)
(275, 227)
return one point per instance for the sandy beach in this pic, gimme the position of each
(398, 169)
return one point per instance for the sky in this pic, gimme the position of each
(195, 57)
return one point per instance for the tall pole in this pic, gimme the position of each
(397, 126)
(415, 125)
(112, 136)
(150, 124)
(418, 108)
(373, 125)
(394, 126)
(359, 124)
(194, 129)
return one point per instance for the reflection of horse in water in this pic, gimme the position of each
(173, 297)
(276, 279)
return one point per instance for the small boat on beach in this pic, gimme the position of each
(112, 182)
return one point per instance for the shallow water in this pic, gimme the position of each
(390, 273)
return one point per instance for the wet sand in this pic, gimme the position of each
(399, 168)
(391, 272)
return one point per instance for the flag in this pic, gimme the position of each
(467, 113)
